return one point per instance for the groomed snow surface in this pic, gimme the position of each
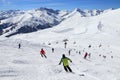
(27, 64)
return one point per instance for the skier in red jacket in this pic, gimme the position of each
(42, 52)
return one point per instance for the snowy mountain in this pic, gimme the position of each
(85, 13)
(15, 21)
(30, 21)
(77, 26)
(90, 25)
(10, 13)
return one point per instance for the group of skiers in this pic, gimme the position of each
(65, 59)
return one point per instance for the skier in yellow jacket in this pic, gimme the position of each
(65, 60)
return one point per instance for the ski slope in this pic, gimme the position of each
(27, 64)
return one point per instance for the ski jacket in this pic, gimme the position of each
(42, 52)
(65, 61)
(86, 54)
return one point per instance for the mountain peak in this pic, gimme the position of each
(77, 10)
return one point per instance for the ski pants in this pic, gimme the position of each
(44, 55)
(67, 68)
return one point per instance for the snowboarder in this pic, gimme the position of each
(42, 52)
(85, 56)
(65, 60)
(19, 46)
(52, 50)
(65, 44)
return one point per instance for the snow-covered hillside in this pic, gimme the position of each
(15, 21)
(10, 13)
(27, 64)
(77, 26)
(30, 21)
(102, 32)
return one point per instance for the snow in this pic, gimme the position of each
(27, 64)
(14, 21)
(31, 18)
(63, 13)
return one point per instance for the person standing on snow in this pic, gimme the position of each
(65, 60)
(19, 46)
(89, 46)
(52, 50)
(100, 45)
(79, 52)
(69, 52)
(42, 52)
(89, 55)
(65, 44)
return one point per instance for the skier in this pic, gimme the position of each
(100, 45)
(65, 44)
(65, 60)
(85, 56)
(42, 52)
(52, 50)
(19, 46)
(104, 56)
(111, 56)
(69, 52)
(89, 46)
(99, 54)
(89, 55)
(84, 50)
(79, 52)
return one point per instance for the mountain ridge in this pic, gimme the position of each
(37, 19)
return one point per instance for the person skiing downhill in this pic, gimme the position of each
(65, 60)
(42, 52)
(85, 56)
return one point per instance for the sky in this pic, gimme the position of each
(58, 4)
